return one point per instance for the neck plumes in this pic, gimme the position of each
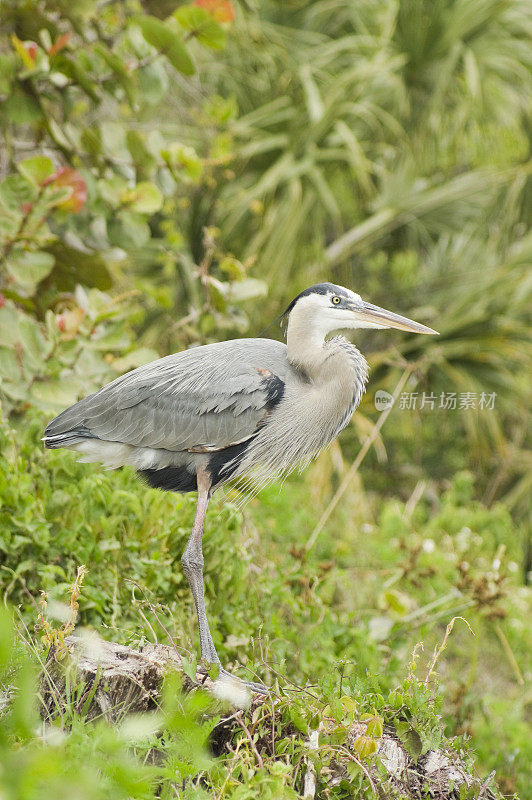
(305, 343)
(336, 377)
(335, 360)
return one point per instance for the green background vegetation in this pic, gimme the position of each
(173, 176)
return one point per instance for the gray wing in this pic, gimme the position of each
(205, 398)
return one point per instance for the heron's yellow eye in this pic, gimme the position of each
(336, 300)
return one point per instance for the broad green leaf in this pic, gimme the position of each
(9, 365)
(348, 704)
(183, 161)
(15, 192)
(296, 713)
(136, 358)
(21, 108)
(114, 338)
(167, 42)
(8, 226)
(16, 391)
(201, 25)
(189, 669)
(35, 346)
(56, 195)
(365, 746)
(45, 39)
(9, 318)
(140, 153)
(217, 294)
(128, 229)
(353, 769)
(247, 289)
(119, 69)
(214, 672)
(338, 736)
(73, 266)
(28, 267)
(412, 742)
(397, 601)
(53, 394)
(7, 72)
(78, 74)
(374, 727)
(145, 198)
(233, 268)
(91, 140)
(114, 140)
(59, 79)
(112, 189)
(36, 169)
(153, 82)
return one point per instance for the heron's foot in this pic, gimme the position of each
(254, 688)
(226, 679)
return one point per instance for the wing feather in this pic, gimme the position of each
(207, 397)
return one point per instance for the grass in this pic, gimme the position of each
(380, 580)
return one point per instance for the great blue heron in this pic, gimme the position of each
(249, 407)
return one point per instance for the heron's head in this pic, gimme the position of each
(326, 307)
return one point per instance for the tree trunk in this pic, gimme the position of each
(112, 680)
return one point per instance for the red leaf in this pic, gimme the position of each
(66, 176)
(26, 50)
(2, 300)
(69, 321)
(59, 43)
(220, 10)
(31, 50)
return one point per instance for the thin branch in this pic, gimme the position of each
(439, 650)
(348, 754)
(510, 655)
(252, 744)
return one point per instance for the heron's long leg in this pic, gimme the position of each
(192, 561)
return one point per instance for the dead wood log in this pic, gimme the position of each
(112, 680)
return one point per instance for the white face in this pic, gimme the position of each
(330, 312)
(327, 314)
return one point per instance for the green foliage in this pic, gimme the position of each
(97, 194)
(387, 149)
(51, 364)
(460, 560)
(149, 756)
(102, 761)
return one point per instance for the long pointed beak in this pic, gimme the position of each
(387, 319)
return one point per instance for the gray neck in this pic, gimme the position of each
(334, 361)
(315, 409)
(305, 344)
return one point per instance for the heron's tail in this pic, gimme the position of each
(59, 433)
(66, 439)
